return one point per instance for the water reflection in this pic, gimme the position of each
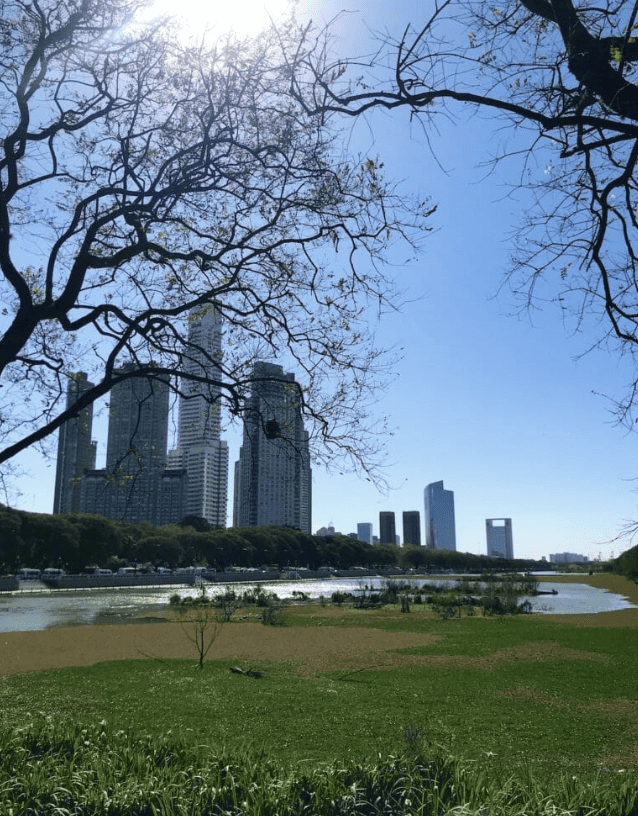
(40, 608)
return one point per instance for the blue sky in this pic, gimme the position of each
(497, 406)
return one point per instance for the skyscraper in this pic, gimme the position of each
(499, 538)
(129, 488)
(76, 451)
(273, 475)
(412, 527)
(364, 532)
(440, 528)
(200, 451)
(387, 527)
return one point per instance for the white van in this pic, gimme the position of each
(28, 574)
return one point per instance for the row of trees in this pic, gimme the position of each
(75, 542)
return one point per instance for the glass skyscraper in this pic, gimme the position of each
(440, 528)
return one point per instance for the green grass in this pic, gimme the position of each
(61, 769)
(572, 715)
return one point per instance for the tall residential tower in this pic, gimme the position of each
(200, 451)
(273, 475)
(129, 488)
(76, 451)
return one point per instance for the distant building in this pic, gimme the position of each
(499, 538)
(412, 527)
(129, 488)
(387, 527)
(364, 532)
(322, 532)
(273, 484)
(568, 558)
(200, 451)
(440, 527)
(76, 450)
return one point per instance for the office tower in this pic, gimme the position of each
(364, 532)
(129, 488)
(499, 538)
(273, 475)
(412, 527)
(387, 527)
(200, 451)
(76, 451)
(440, 530)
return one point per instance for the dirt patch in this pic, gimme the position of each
(312, 649)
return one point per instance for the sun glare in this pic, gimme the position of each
(244, 17)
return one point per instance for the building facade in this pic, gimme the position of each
(440, 526)
(387, 527)
(128, 489)
(76, 450)
(364, 532)
(412, 527)
(200, 450)
(500, 543)
(273, 474)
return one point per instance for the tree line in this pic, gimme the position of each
(77, 541)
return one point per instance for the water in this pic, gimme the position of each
(39, 608)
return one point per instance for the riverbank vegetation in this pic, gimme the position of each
(80, 540)
(507, 716)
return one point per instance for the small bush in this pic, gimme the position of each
(272, 614)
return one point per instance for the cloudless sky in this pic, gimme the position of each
(495, 404)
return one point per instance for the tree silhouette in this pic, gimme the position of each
(143, 180)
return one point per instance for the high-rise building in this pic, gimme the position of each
(364, 532)
(499, 538)
(412, 527)
(273, 475)
(440, 528)
(200, 451)
(76, 450)
(387, 527)
(129, 488)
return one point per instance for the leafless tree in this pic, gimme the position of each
(142, 178)
(560, 79)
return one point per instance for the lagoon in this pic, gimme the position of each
(40, 608)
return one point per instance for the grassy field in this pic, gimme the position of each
(525, 701)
